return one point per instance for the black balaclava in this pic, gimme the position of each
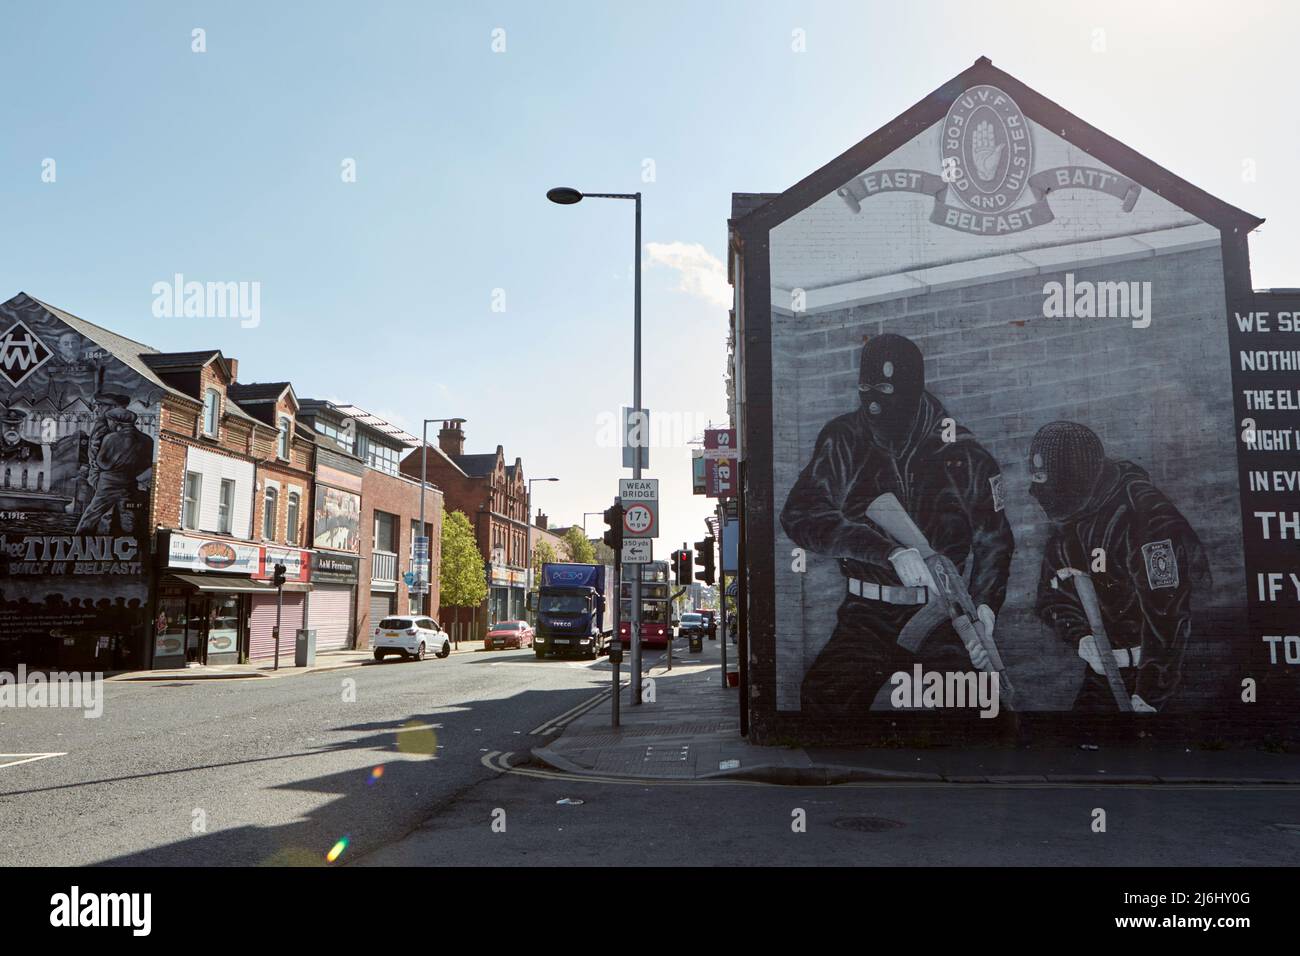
(891, 380)
(1070, 457)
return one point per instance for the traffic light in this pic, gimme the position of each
(675, 562)
(705, 560)
(278, 579)
(614, 523)
(684, 567)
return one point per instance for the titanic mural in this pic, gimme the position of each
(78, 433)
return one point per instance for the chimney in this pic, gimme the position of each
(541, 520)
(234, 369)
(451, 438)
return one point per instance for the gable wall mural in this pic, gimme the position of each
(1003, 436)
(78, 440)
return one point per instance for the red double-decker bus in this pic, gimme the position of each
(656, 629)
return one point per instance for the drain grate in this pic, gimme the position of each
(867, 824)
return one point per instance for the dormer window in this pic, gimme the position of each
(211, 411)
(286, 426)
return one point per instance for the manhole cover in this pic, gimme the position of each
(867, 824)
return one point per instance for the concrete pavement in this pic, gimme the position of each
(691, 731)
(325, 661)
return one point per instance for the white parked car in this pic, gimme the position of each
(413, 636)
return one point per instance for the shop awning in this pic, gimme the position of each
(206, 582)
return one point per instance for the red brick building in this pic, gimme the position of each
(493, 496)
(387, 508)
(233, 483)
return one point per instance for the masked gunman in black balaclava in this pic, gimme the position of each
(1110, 522)
(900, 441)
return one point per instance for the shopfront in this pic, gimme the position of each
(201, 606)
(286, 605)
(507, 594)
(331, 605)
(202, 619)
(216, 603)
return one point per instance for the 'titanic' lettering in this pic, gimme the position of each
(57, 547)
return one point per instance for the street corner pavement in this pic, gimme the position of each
(688, 728)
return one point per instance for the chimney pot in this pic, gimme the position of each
(451, 438)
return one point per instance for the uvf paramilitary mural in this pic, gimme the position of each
(1003, 437)
(78, 434)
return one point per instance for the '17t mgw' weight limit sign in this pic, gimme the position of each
(640, 498)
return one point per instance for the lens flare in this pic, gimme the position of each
(337, 849)
(417, 738)
(375, 774)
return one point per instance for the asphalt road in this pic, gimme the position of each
(753, 824)
(269, 771)
(280, 771)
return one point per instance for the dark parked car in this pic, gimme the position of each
(693, 623)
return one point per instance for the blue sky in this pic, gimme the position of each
(225, 166)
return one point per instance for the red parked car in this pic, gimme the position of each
(508, 634)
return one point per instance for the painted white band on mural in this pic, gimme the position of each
(1015, 265)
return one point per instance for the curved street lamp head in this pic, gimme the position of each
(564, 195)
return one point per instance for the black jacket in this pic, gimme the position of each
(952, 490)
(1153, 557)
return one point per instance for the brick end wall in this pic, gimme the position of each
(1160, 397)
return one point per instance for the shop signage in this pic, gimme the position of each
(297, 564)
(509, 577)
(205, 554)
(721, 462)
(334, 568)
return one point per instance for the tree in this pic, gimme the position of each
(604, 554)
(543, 553)
(580, 550)
(463, 579)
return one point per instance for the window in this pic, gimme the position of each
(380, 457)
(269, 513)
(342, 436)
(385, 532)
(226, 507)
(211, 408)
(286, 426)
(291, 519)
(190, 510)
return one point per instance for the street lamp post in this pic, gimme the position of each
(528, 536)
(424, 476)
(567, 196)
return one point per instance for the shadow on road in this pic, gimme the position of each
(372, 802)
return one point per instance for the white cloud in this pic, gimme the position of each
(702, 274)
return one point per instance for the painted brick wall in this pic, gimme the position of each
(1160, 397)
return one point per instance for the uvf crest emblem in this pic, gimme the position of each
(986, 142)
(1162, 566)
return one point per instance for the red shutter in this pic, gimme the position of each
(261, 627)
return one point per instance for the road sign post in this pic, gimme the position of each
(640, 498)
